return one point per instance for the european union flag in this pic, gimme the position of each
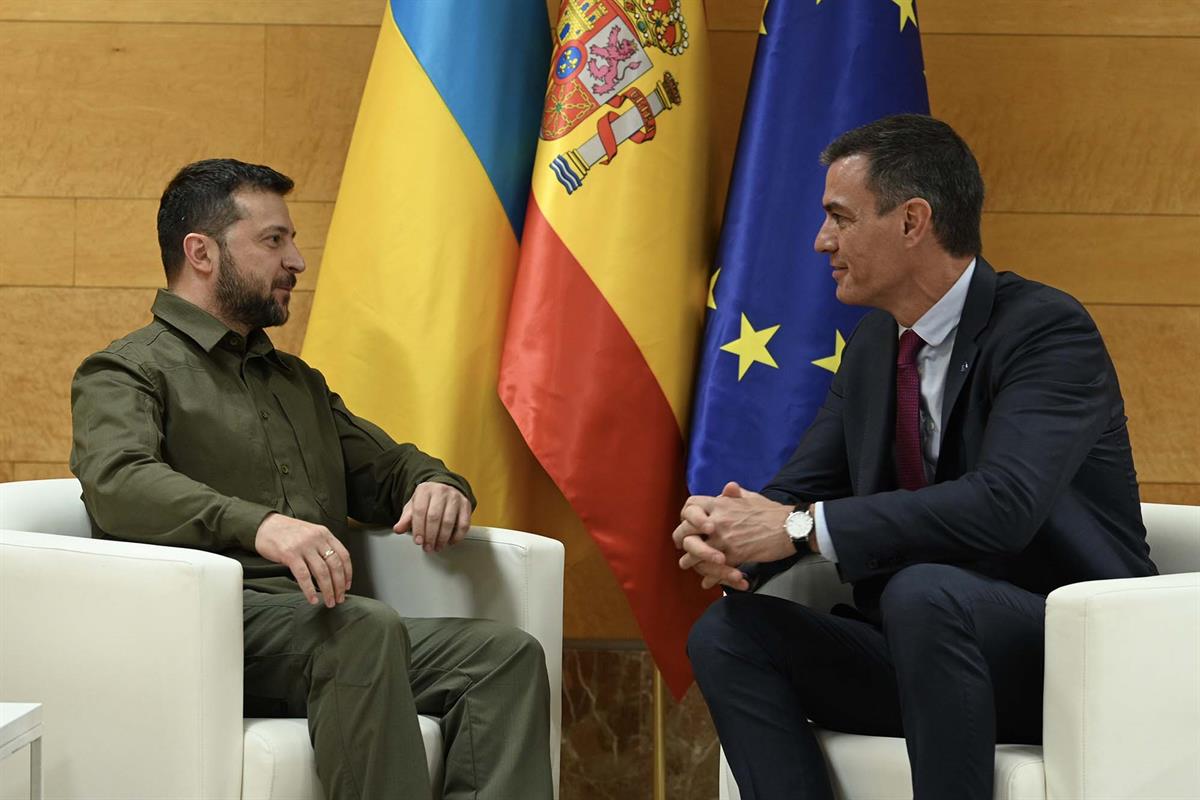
(775, 330)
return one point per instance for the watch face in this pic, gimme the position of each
(798, 525)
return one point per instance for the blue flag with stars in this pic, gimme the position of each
(775, 331)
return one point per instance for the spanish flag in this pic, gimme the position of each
(610, 292)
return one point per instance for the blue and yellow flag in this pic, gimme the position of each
(775, 330)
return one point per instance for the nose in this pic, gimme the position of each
(292, 260)
(825, 241)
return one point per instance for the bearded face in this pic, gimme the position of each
(249, 300)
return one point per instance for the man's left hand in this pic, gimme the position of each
(437, 515)
(741, 524)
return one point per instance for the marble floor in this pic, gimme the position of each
(608, 717)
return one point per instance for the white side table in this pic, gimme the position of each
(20, 725)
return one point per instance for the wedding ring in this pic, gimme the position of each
(327, 553)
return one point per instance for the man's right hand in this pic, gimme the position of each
(302, 547)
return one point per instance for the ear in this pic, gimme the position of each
(918, 220)
(201, 253)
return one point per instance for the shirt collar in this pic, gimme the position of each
(206, 330)
(940, 321)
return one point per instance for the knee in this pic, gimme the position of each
(365, 642)
(709, 639)
(921, 594)
(513, 645)
(377, 623)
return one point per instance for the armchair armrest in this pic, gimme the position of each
(1122, 694)
(494, 573)
(135, 652)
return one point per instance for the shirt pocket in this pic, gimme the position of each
(320, 451)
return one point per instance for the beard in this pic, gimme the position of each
(242, 300)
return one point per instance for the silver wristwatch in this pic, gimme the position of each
(799, 526)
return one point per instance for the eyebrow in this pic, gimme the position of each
(277, 229)
(834, 206)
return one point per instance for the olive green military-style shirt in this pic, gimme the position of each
(187, 433)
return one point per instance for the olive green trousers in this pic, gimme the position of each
(361, 674)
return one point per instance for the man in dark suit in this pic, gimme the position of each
(971, 456)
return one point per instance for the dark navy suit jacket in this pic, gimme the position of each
(1035, 481)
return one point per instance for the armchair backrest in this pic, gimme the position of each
(48, 506)
(1173, 532)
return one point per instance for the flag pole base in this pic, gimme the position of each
(660, 737)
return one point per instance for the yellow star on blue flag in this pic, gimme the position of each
(751, 347)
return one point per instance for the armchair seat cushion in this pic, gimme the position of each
(278, 759)
(877, 767)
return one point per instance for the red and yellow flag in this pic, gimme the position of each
(610, 290)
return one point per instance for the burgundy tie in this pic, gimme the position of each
(910, 466)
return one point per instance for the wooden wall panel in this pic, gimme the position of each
(44, 334)
(1070, 17)
(106, 110)
(315, 79)
(118, 243)
(40, 470)
(1071, 123)
(734, 15)
(1156, 350)
(280, 12)
(37, 246)
(6, 471)
(1187, 494)
(1101, 258)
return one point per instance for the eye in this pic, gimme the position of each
(275, 239)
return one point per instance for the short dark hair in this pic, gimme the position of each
(199, 199)
(914, 155)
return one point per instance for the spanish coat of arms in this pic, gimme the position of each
(602, 48)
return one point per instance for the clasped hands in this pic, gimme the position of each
(717, 534)
(437, 515)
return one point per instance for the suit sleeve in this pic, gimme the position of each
(381, 475)
(818, 469)
(1051, 399)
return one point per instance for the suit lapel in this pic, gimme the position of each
(977, 310)
(879, 378)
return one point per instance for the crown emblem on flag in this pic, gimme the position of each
(603, 49)
(659, 23)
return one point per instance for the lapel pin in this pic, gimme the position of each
(965, 366)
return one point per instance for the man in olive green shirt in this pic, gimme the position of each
(195, 431)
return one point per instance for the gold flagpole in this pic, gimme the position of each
(660, 737)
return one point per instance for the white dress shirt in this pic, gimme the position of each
(938, 327)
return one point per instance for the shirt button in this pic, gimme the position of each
(283, 468)
(263, 414)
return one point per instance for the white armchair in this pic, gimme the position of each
(135, 651)
(1121, 705)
